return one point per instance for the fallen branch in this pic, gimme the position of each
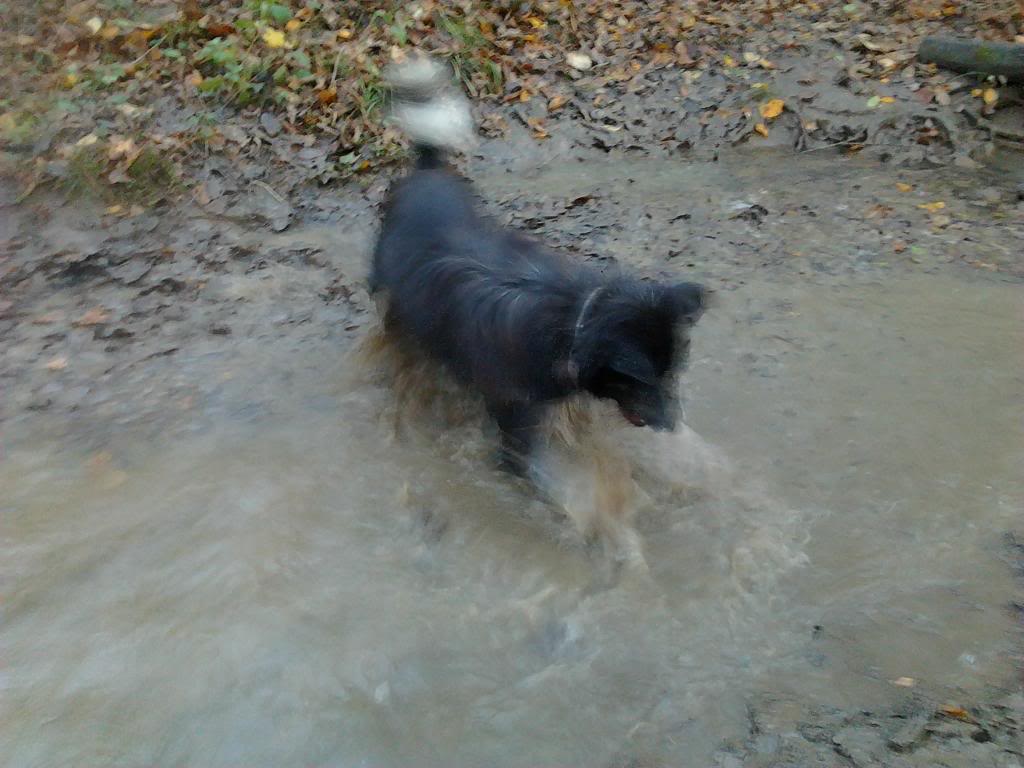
(982, 56)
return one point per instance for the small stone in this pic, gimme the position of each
(579, 61)
(911, 733)
(270, 124)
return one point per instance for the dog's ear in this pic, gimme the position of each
(685, 302)
(632, 364)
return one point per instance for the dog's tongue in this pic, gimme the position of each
(634, 419)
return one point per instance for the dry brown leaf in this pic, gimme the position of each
(327, 96)
(556, 102)
(772, 109)
(954, 710)
(94, 316)
(899, 246)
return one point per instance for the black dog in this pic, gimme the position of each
(517, 322)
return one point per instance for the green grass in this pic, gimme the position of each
(151, 178)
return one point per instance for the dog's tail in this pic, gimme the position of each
(429, 109)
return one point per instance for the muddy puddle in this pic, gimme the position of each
(284, 583)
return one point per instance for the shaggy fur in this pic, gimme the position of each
(518, 323)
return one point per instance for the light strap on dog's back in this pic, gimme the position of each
(581, 320)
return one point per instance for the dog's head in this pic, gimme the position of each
(631, 343)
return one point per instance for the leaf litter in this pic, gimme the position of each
(188, 80)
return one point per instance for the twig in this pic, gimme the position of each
(148, 51)
(334, 71)
(852, 143)
(270, 190)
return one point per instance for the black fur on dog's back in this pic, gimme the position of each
(493, 306)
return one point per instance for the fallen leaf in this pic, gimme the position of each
(556, 102)
(57, 364)
(762, 129)
(687, 21)
(899, 246)
(327, 96)
(109, 32)
(274, 38)
(292, 25)
(729, 61)
(772, 109)
(903, 186)
(942, 97)
(88, 140)
(976, 92)
(990, 96)
(811, 126)
(887, 100)
(873, 102)
(954, 710)
(904, 682)
(120, 147)
(932, 207)
(94, 316)
(113, 210)
(750, 57)
(95, 24)
(578, 61)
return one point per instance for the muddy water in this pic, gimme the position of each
(286, 583)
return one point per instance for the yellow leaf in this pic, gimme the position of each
(109, 32)
(762, 129)
(70, 79)
(274, 38)
(903, 186)
(976, 92)
(344, 34)
(292, 25)
(772, 109)
(954, 710)
(729, 61)
(687, 21)
(887, 100)
(991, 96)
(535, 22)
(750, 57)
(932, 207)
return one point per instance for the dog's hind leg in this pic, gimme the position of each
(518, 424)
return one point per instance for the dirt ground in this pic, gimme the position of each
(104, 310)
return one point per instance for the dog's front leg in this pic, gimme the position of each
(518, 423)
